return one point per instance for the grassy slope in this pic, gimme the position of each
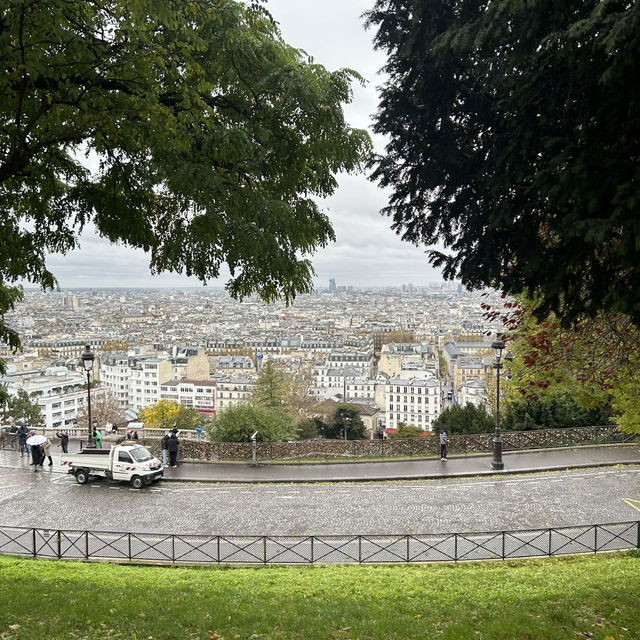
(593, 597)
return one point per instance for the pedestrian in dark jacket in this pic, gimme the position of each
(64, 440)
(172, 447)
(23, 434)
(37, 454)
(165, 443)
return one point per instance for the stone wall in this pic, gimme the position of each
(394, 448)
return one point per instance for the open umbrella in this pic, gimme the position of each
(36, 440)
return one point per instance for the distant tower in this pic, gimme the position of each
(332, 285)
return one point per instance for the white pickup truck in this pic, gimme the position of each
(128, 461)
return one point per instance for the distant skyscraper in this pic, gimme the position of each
(332, 285)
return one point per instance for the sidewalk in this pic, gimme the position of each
(454, 467)
(415, 469)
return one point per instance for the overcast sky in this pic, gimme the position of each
(366, 252)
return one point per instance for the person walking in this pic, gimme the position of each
(37, 455)
(46, 452)
(199, 433)
(23, 434)
(164, 443)
(444, 445)
(98, 437)
(64, 440)
(172, 447)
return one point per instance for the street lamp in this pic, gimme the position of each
(498, 347)
(87, 363)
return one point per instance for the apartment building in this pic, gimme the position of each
(61, 394)
(115, 374)
(136, 379)
(233, 390)
(196, 394)
(146, 377)
(398, 357)
(413, 402)
(473, 392)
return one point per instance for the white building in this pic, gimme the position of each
(473, 392)
(412, 402)
(115, 375)
(61, 395)
(136, 380)
(196, 394)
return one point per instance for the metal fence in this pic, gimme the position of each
(158, 548)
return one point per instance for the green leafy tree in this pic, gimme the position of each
(238, 423)
(166, 413)
(551, 413)
(346, 418)
(211, 141)
(308, 428)
(22, 408)
(407, 431)
(273, 387)
(459, 419)
(594, 364)
(514, 141)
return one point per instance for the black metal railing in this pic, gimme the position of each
(161, 548)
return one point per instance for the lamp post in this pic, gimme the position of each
(345, 420)
(498, 347)
(87, 363)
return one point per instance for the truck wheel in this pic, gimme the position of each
(82, 476)
(137, 482)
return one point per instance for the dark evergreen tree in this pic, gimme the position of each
(514, 141)
(552, 413)
(459, 419)
(346, 419)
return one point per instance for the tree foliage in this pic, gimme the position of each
(346, 419)
(273, 387)
(238, 423)
(514, 140)
(458, 419)
(407, 431)
(209, 140)
(165, 413)
(552, 413)
(308, 428)
(23, 409)
(595, 363)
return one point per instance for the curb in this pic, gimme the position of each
(392, 478)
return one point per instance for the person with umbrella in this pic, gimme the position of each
(37, 452)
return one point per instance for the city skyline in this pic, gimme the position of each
(366, 251)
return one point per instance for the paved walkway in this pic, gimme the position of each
(359, 471)
(455, 466)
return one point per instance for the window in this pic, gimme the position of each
(123, 456)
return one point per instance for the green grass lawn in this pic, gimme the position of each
(590, 597)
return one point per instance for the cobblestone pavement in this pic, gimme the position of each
(550, 499)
